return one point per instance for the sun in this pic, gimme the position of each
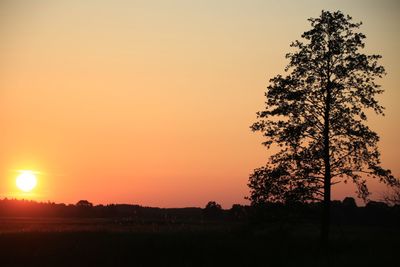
(26, 181)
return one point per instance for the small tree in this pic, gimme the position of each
(316, 117)
(84, 203)
(213, 210)
(349, 203)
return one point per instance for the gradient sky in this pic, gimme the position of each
(150, 102)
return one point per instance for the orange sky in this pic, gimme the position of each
(150, 102)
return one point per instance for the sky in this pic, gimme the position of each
(150, 102)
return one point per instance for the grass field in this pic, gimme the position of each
(106, 242)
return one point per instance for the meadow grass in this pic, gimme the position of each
(111, 243)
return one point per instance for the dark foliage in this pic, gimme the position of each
(84, 203)
(345, 211)
(213, 210)
(316, 116)
(349, 203)
(85, 209)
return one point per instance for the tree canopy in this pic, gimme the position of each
(316, 115)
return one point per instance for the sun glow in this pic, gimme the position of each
(26, 181)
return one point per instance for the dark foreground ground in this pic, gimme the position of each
(107, 242)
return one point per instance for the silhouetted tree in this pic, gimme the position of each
(84, 203)
(213, 210)
(315, 115)
(349, 203)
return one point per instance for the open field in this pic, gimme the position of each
(107, 242)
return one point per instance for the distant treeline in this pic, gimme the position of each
(343, 212)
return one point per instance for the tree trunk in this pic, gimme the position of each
(325, 227)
